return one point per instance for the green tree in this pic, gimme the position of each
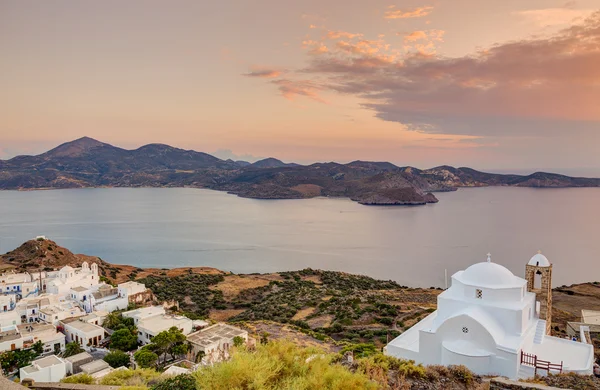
(238, 341)
(171, 342)
(145, 358)
(179, 382)
(71, 349)
(117, 358)
(124, 340)
(38, 347)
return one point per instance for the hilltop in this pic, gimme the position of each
(86, 162)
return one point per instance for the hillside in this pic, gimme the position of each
(322, 305)
(90, 163)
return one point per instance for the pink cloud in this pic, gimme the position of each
(406, 13)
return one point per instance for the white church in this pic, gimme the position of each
(492, 322)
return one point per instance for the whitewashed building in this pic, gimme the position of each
(53, 314)
(21, 284)
(151, 326)
(51, 338)
(143, 312)
(489, 320)
(9, 319)
(214, 342)
(60, 282)
(131, 288)
(10, 340)
(83, 333)
(47, 369)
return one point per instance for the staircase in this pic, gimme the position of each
(540, 332)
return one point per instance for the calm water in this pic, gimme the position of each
(412, 245)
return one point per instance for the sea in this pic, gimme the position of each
(416, 246)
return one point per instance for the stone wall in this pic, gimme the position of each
(544, 293)
(505, 384)
(142, 298)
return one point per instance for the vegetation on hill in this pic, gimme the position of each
(350, 308)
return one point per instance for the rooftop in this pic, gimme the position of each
(79, 357)
(9, 335)
(215, 333)
(95, 366)
(157, 324)
(144, 312)
(590, 317)
(79, 289)
(47, 361)
(488, 274)
(83, 326)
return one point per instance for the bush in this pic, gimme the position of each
(179, 382)
(462, 374)
(361, 350)
(84, 379)
(408, 369)
(137, 377)
(71, 349)
(280, 365)
(117, 358)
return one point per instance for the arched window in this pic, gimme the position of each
(537, 281)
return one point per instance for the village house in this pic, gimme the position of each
(491, 321)
(96, 318)
(106, 298)
(47, 369)
(143, 312)
(97, 369)
(83, 333)
(29, 308)
(151, 326)
(53, 314)
(9, 319)
(75, 362)
(214, 342)
(49, 335)
(21, 284)
(10, 340)
(136, 293)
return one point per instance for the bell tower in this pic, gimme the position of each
(538, 273)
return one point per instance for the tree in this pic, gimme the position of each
(238, 341)
(71, 349)
(38, 347)
(145, 358)
(170, 342)
(123, 339)
(264, 337)
(117, 358)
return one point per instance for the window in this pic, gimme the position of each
(478, 293)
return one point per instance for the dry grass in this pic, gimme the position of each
(323, 321)
(233, 284)
(303, 313)
(224, 315)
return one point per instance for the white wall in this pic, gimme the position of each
(48, 374)
(112, 304)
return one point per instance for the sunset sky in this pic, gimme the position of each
(499, 84)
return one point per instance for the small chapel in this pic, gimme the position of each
(495, 323)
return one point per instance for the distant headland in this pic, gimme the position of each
(86, 162)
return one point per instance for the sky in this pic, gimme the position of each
(504, 85)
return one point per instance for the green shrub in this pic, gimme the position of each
(281, 365)
(83, 378)
(137, 377)
(179, 382)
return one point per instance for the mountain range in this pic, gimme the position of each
(87, 162)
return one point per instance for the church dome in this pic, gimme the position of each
(539, 260)
(488, 274)
(66, 268)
